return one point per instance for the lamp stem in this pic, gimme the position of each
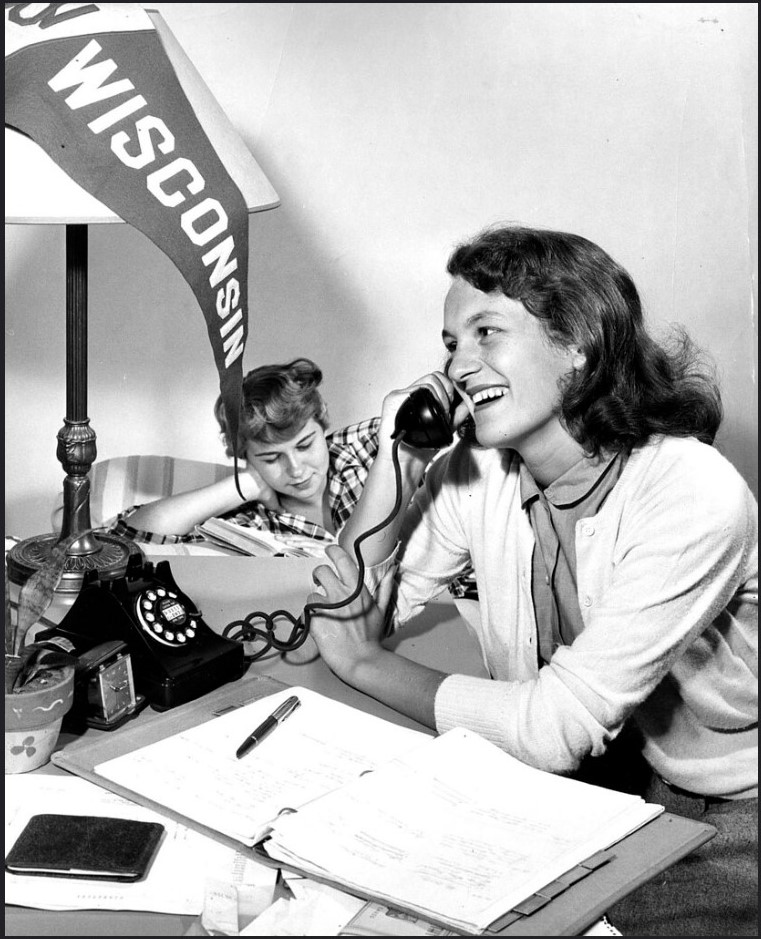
(76, 322)
(76, 449)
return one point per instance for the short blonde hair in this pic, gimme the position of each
(277, 402)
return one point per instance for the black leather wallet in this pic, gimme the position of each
(85, 846)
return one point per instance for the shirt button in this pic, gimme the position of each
(587, 600)
(588, 530)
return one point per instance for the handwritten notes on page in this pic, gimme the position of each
(456, 830)
(324, 745)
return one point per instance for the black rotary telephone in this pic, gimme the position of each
(176, 657)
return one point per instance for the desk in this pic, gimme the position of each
(227, 588)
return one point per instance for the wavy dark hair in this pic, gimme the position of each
(631, 386)
(277, 401)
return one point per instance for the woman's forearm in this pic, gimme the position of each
(380, 490)
(376, 502)
(179, 514)
(398, 682)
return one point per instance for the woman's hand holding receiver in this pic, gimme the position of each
(443, 389)
(380, 492)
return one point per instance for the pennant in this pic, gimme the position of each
(93, 86)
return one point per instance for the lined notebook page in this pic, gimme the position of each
(323, 745)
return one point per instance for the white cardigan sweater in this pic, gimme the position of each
(668, 590)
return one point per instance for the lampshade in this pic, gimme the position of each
(39, 191)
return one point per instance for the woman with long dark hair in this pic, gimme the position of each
(615, 553)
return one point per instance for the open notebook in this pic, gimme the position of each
(456, 830)
(450, 828)
(259, 542)
(324, 745)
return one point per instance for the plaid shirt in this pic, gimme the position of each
(351, 453)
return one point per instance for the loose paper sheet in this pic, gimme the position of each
(176, 881)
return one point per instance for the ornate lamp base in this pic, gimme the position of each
(110, 560)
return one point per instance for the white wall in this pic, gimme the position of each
(391, 131)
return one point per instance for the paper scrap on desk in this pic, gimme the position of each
(220, 909)
(375, 919)
(176, 881)
(226, 905)
(315, 910)
(343, 905)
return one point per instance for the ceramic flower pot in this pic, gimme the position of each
(33, 721)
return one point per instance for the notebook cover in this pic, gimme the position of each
(85, 847)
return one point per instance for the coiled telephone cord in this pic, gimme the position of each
(260, 627)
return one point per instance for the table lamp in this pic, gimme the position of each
(39, 191)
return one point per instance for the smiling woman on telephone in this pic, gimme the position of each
(615, 553)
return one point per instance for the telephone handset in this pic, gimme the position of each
(424, 422)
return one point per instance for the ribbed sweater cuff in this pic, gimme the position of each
(466, 701)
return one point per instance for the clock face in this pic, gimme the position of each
(116, 688)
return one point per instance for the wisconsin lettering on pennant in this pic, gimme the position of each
(93, 86)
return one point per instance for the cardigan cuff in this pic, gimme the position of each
(375, 573)
(466, 701)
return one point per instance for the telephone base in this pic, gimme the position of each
(176, 657)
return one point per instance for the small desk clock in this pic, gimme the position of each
(104, 686)
(107, 686)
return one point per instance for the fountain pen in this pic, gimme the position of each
(268, 725)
